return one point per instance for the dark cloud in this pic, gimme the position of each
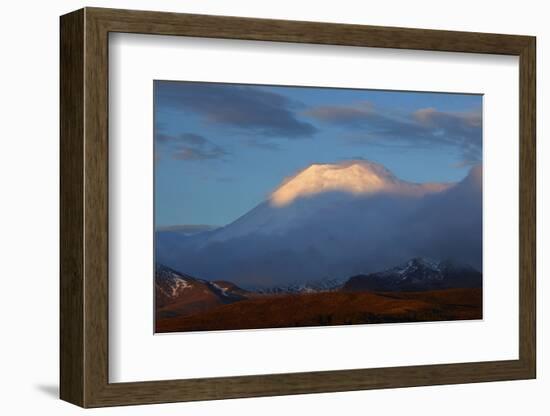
(190, 146)
(247, 108)
(462, 129)
(424, 127)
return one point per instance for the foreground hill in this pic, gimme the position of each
(179, 294)
(332, 308)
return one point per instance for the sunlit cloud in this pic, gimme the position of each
(357, 177)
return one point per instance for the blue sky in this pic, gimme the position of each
(220, 149)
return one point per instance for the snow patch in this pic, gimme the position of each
(179, 284)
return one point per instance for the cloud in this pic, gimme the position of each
(462, 129)
(246, 108)
(423, 127)
(355, 177)
(190, 146)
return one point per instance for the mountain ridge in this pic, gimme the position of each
(178, 293)
(417, 274)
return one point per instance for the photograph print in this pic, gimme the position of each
(289, 206)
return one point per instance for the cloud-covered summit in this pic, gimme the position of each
(336, 233)
(357, 177)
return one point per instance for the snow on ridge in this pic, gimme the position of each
(356, 177)
(179, 285)
(413, 266)
(223, 290)
(324, 285)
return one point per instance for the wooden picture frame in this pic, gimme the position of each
(84, 207)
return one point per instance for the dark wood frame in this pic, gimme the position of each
(84, 207)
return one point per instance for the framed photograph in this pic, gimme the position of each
(255, 207)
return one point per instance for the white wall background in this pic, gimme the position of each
(29, 206)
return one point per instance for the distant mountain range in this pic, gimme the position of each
(324, 285)
(332, 221)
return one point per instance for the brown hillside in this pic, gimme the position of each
(331, 308)
(197, 297)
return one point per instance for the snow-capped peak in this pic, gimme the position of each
(419, 267)
(355, 177)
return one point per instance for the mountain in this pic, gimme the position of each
(319, 190)
(417, 274)
(178, 294)
(332, 221)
